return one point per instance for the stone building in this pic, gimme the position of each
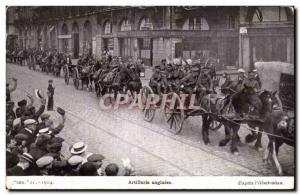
(233, 35)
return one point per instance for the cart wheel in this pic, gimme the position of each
(148, 113)
(215, 125)
(174, 116)
(76, 78)
(66, 74)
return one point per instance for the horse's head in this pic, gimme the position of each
(269, 100)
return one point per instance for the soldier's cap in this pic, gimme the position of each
(189, 61)
(20, 137)
(56, 140)
(78, 148)
(22, 103)
(28, 157)
(50, 81)
(95, 158)
(44, 161)
(29, 122)
(241, 70)
(60, 111)
(45, 116)
(75, 160)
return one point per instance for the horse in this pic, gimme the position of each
(231, 111)
(280, 129)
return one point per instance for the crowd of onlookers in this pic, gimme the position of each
(34, 145)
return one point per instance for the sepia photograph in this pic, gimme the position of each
(161, 97)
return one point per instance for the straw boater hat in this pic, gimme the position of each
(29, 122)
(38, 93)
(44, 131)
(27, 157)
(78, 148)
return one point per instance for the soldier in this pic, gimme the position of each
(254, 79)
(9, 90)
(188, 82)
(50, 93)
(155, 80)
(73, 165)
(163, 64)
(238, 85)
(29, 130)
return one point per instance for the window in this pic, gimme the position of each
(195, 24)
(107, 27)
(125, 26)
(146, 24)
(231, 22)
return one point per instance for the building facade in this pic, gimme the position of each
(233, 35)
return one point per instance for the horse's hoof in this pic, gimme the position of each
(222, 143)
(259, 148)
(206, 142)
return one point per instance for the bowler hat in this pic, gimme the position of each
(22, 103)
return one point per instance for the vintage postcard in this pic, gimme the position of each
(160, 97)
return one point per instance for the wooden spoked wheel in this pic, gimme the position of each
(174, 113)
(148, 112)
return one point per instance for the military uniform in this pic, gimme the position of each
(156, 80)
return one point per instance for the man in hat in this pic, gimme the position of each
(88, 169)
(156, 80)
(79, 149)
(163, 64)
(9, 90)
(238, 85)
(188, 82)
(96, 159)
(253, 80)
(48, 123)
(50, 93)
(21, 108)
(29, 130)
(39, 147)
(10, 113)
(44, 165)
(25, 167)
(74, 164)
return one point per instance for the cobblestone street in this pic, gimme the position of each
(152, 149)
